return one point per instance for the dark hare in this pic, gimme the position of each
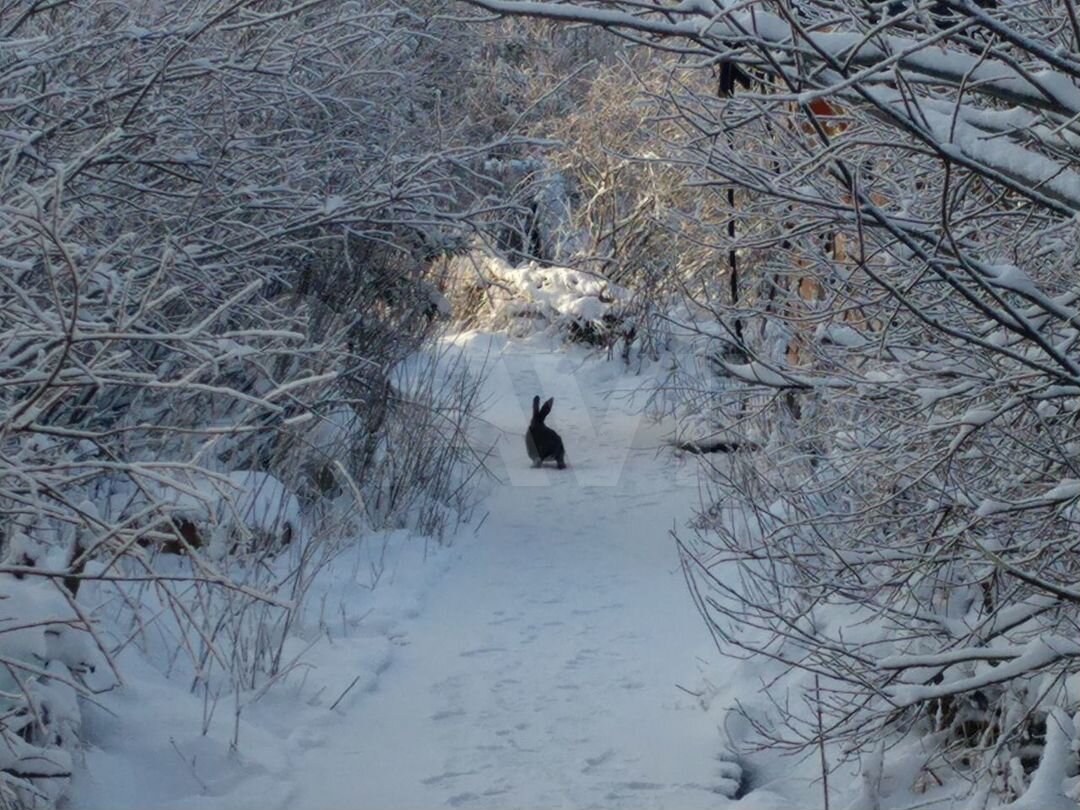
(541, 441)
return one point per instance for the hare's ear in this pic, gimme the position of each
(547, 407)
(536, 406)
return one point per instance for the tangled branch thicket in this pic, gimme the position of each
(218, 229)
(217, 221)
(896, 357)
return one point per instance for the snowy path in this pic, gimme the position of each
(534, 664)
(542, 670)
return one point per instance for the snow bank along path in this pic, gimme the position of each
(542, 671)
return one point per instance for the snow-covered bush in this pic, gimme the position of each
(582, 306)
(402, 460)
(49, 656)
(647, 229)
(241, 510)
(425, 463)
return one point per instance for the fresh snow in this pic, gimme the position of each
(1045, 793)
(520, 297)
(1038, 654)
(549, 657)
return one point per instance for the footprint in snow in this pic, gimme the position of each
(481, 651)
(598, 760)
(462, 799)
(443, 777)
(639, 785)
(446, 714)
(306, 738)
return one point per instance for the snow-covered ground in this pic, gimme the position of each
(550, 657)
